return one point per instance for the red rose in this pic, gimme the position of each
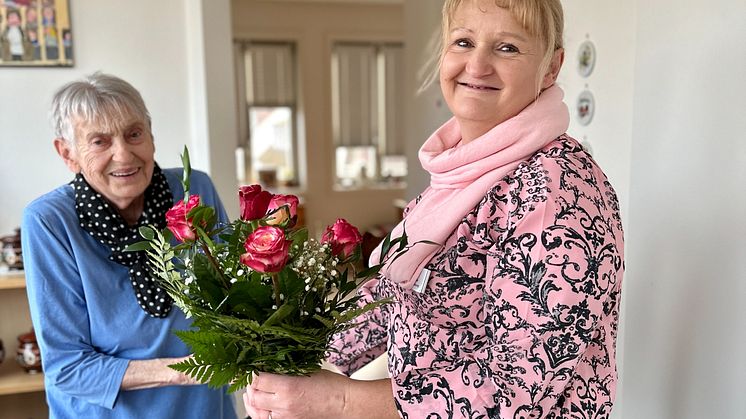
(177, 221)
(343, 237)
(254, 202)
(279, 217)
(267, 250)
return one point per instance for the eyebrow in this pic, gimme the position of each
(125, 128)
(501, 33)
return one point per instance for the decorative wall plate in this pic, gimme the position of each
(585, 107)
(586, 58)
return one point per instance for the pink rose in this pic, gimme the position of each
(177, 221)
(254, 202)
(343, 237)
(267, 250)
(278, 216)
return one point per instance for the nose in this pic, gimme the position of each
(121, 150)
(479, 63)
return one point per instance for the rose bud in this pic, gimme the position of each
(177, 221)
(253, 201)
(279, 217)
(267, 250)
(343, 237)
(288, 201)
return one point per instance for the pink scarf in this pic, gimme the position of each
(461, 176)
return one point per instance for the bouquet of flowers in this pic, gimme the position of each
(264, 296)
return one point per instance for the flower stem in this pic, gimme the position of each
(214, 263)
(276, 288)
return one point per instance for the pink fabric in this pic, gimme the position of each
(461, 173)
(519, 318)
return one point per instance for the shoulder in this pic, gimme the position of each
(53, 212)
(199, 182)
(59, 202)
(562, 167)
(559, 176)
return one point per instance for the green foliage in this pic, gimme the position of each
(239, 328)
(246, 321)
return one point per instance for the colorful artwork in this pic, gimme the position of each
(35, 33)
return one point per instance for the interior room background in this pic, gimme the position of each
(668, 129)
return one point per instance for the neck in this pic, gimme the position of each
(131, 212)
(471, 130)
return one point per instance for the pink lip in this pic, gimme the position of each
(124, 173)
(476, 86)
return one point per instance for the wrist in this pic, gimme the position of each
(173, 377)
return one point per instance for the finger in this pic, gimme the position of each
(269, 383)
(251, 410)
(263, 400)
(246, 401)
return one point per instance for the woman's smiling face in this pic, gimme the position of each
(117, 159)
(490, 67)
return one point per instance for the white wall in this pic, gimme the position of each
(685, 337)
(144, 42)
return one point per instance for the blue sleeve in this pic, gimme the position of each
(60, 315)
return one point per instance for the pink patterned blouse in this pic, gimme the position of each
(519, 318)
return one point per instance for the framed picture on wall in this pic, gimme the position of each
(35, 33)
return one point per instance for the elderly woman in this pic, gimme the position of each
(515, 314)
(104, 325)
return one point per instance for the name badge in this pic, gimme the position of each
(422, 280)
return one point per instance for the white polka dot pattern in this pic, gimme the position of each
(114, 233)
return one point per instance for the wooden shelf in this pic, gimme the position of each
(12, 280)
(14, 380)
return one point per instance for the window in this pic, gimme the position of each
(367, 100)
(268, 149)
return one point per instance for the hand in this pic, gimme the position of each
(320, 395)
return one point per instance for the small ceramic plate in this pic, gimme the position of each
(585, 107)
(586, 58)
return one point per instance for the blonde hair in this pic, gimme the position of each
(543, 19)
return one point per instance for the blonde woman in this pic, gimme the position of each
(515, 314)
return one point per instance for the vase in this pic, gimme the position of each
(28, 355)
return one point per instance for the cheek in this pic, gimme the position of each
(146, 154)
(92, 164)
(449, 68)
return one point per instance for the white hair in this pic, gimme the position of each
(99, 98)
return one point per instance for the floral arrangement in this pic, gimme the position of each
(263, 295)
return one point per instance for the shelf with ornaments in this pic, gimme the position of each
(15, 380)
(13, 377)
(12, 280)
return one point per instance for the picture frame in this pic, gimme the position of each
(35, 33)
(586, 58)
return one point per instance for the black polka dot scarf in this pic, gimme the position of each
(102, 221)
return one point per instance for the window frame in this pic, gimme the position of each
(379, 115)
(246, 172)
